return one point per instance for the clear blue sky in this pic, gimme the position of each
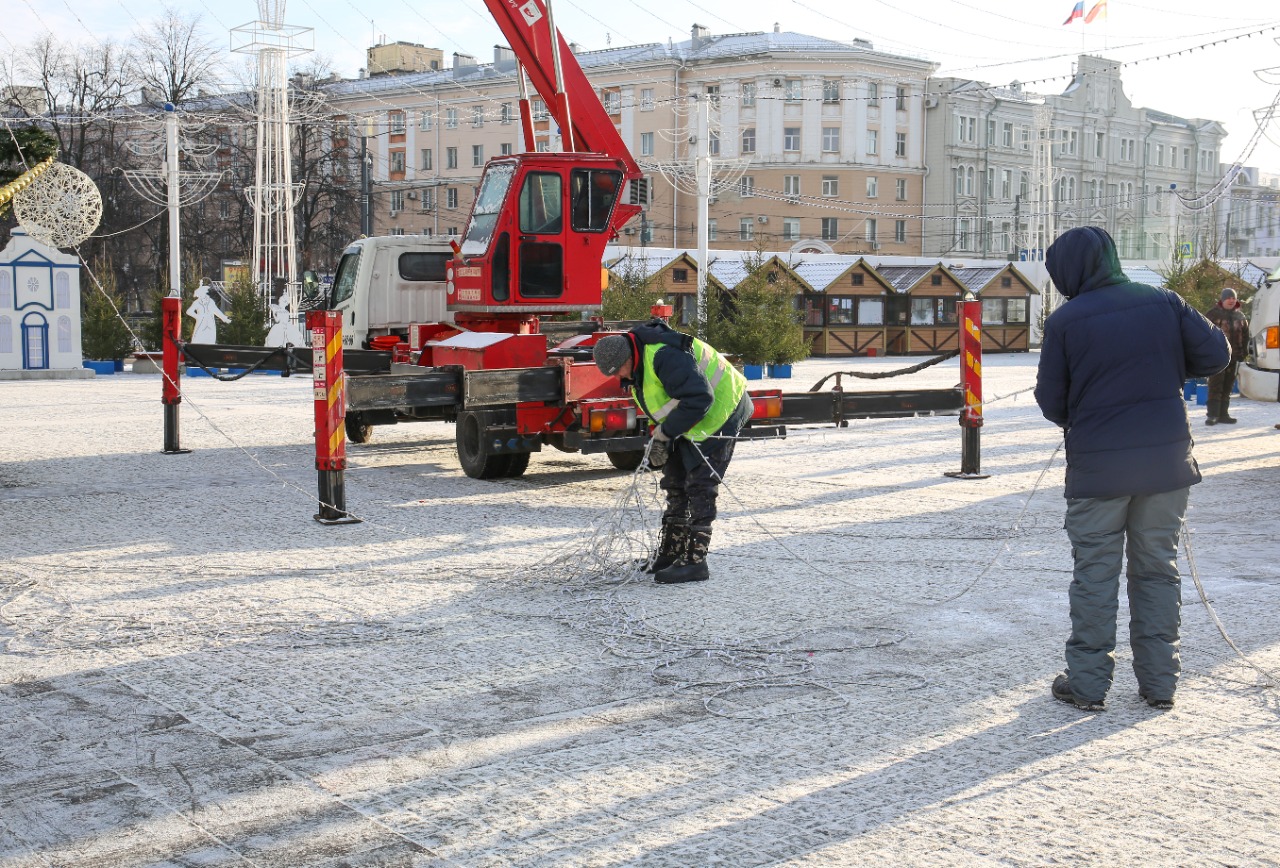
(995, 41)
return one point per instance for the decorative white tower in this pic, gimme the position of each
(273, 192)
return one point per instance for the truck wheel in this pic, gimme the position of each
(475, 462)
(358, 430)
(626, 460)
(519, 464)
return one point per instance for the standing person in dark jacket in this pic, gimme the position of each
(1226, 315)
(699, 403)
(1112, 364)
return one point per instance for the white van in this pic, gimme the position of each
(1259, 376)
(386, 282)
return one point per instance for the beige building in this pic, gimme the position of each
(820, 144)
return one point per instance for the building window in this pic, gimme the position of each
(646, 144)
(505, 149)
(746, 228)
(871, 229)
(873, 142)
(397, 201)
(713, 232)
(397, 230)
(749, 140)
(1099, 144)
(900, 98)
(791, 185)
(830, 228)
(713, 143)
(922, 311)
(900, 231)
(747, 186)
(792, 91)
(646, 99)
(224, 209)
(395, 123)
(870, 311)
(424, 122)
(966, 129)
(451, 200)
(857, 279)
(791, 139)
(1006, 135)
(451, 119)
(830, 185)
(612, 101)
(791, 229)
(989, 188)
(962, 238)
(505, 113)
(840, 311)
(425, 164)
(748, 93)
(901, 185)
(830, 139)
(1127, 150)
(1024, 185)
(477, 116)
(477, 155)
(1186, 158)
(873, 186)
(451, 158)
(873, 93)
(1006, 183)
(396, 162)
(830, 90)
(811, 309)
(679, 275)
(539, 110)
(991, 133)
(900, 145)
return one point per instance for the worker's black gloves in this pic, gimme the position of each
(659, 449)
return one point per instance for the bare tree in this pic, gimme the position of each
(174, 59)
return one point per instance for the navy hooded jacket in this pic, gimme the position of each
(1112, 365)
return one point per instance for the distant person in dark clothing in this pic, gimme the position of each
(698, 402)
(1226, 315)
(1112, 364)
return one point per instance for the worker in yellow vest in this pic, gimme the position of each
(698, 403)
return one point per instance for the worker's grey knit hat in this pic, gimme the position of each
(612, 353)
(1227, 293)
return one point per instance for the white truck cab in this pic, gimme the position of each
(1259, 376)
(386, 282)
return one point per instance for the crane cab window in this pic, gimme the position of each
(484, 215)
(593, 192)
(541, 204)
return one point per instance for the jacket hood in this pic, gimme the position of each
(1082, 259)
(658, 332)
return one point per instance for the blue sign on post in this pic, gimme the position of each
(1184, 250)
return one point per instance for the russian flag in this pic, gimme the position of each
(1077, 12)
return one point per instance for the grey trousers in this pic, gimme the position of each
(1099, 528)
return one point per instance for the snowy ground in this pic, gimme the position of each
(196, 673)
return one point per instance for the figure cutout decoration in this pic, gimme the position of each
(284, 331)
(206, 314)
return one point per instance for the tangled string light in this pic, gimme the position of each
(61, 208)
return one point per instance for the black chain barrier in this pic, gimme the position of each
(291, 363)
(881, 375)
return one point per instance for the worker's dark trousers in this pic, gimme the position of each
(1100, 529)
(688, 480)
(1220, 391)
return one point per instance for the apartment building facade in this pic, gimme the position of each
(1249, 219)
(818, 145)
(1147, 177)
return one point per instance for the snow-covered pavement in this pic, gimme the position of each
(193, 672)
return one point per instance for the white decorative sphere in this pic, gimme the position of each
(61, 208)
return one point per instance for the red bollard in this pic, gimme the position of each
(970, 318)
(171, 382)
(329, 394)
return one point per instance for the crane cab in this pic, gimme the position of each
(536, 238)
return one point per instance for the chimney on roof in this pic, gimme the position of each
(462, 61)
(575, 48)
(503, 56)
(700, 35)
(777, 28)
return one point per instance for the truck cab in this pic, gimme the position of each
(1259, 376)
(384, 283)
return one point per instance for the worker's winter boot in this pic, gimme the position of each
(692, 565)
(672, 540)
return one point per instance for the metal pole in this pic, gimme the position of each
(970, 318)
(329, 395)
(171, 173)
(366, 213)
(171, 383)
(702, 172)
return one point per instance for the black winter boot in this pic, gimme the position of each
(692, 564)
(672, 540)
